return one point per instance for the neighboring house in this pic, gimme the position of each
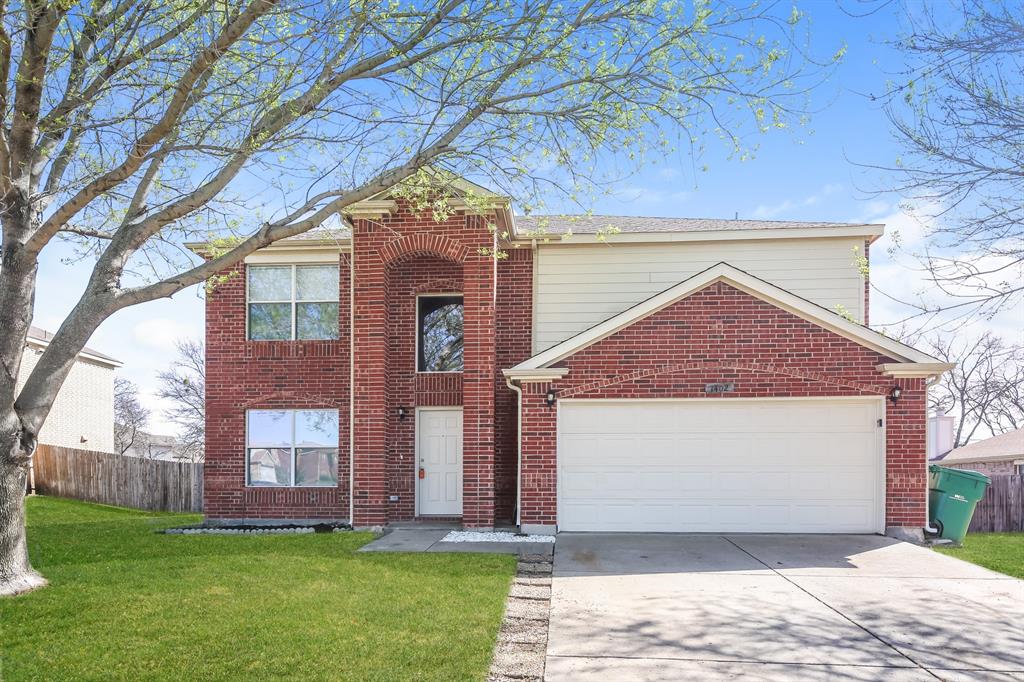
(155, 446)
(83, 413)
(1002, 454)
(690, 375)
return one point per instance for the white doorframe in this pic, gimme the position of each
(416, 447)
(880, 407)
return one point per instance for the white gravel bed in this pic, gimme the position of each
(493, 536)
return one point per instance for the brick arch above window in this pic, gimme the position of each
(443, 285)
(424, 244)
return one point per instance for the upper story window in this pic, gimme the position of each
(293, 302)
(292, 447)
(439, 334)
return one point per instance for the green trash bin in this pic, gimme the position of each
(952, 496)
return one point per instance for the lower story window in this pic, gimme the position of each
(292, 447)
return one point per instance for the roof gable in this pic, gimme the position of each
(909, 359)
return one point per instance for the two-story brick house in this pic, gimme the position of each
(685, 375)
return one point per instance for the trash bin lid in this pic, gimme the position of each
(966, 473)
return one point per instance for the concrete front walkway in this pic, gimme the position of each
(431, 539)
(777, 607)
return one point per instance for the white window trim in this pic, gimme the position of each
(294, 301)
(292, 448)
(416, 333)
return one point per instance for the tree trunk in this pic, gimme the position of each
(16, 573)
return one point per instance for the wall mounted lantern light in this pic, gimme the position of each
(549, 397)
(895, 394)
(401, 413)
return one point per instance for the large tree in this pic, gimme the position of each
(183, 386)
(130, 417)
(128, 127)
(985, 390)
(957, 110)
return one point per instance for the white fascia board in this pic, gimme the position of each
(915, 369)
(526, 376)
(870, 232)
(297, 253)
(1012, 457)
(82, 355)
(744, 282)
(200, 248)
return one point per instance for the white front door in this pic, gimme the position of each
(766, 466)
(439, 466)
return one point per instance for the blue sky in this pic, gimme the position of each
(808, 174)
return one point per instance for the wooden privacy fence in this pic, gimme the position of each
(153, 485)
(1002, 508)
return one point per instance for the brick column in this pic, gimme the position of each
(539, 476)
(478, 494)
(906, 483)
(369, 380)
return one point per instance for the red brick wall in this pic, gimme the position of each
(243, 375)
(1004, 468)
(396, 258)
(721, 334)
(514, 344)
(392, 254)
(406, 388)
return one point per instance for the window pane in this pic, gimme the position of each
(316, 283)
(316, 427)
(270, 283)
(440, 334)
(270, 428)
(271, 321)
(316, 320)
(317, 466)
(270, 466)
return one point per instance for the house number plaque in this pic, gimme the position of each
(719, 388)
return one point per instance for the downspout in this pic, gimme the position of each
(928, 383)
(519, 448)
(351, 379)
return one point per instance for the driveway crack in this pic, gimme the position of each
(842, 615)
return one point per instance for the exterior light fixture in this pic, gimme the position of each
(895, 394)
(549, 397)
(401, 413)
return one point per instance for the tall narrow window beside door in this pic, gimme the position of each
(439, 334)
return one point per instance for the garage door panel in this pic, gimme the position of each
(720, 466)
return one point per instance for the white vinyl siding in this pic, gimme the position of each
(578, 286)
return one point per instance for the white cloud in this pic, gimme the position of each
(898, 270)
(161, 333)
(787, 206)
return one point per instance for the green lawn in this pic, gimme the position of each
(1003, 552)
(127, 603)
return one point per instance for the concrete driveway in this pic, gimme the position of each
(777, 607)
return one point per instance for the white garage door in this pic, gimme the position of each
(727, 465)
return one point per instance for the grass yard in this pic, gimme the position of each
(127, 603)
(1003, 552)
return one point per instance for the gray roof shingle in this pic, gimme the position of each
(1004, 446)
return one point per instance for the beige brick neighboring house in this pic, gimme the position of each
(1002, 454)
(83, 413)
